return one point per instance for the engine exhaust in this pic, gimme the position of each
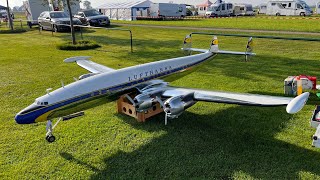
(71, 116)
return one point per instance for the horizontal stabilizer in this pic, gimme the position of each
(76, 58)
(89, 65)
(236, 53)
(195, 49)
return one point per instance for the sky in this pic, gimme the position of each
(96, 3)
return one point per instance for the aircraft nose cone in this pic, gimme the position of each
(19, 118)
(27, 115)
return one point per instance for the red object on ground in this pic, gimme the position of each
(311, 78)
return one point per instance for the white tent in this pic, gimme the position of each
(125, 10)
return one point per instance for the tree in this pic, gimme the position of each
(71, 24)
(9, 16)
(68, 2)
(87, 4)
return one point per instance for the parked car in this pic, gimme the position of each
(56, 20)
(92, 17)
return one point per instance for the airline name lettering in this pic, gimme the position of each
(149, 73)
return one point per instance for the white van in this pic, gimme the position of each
(222, 9)
(288, 8)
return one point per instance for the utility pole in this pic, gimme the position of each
(9, 16)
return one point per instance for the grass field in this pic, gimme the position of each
(216, 141)
(310, 25)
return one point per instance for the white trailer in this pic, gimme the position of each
(288, 8)
(262, 9)
(318, 8)
(33, 9)
(222, 9)
(167, 10)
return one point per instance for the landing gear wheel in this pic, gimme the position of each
(50, 138)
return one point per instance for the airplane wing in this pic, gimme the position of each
(89, 65)
(293, 104)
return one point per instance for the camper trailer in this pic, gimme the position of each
(222, 9)
(318, 8)
(288, 8)
(33, 9)
(243, 10)
(262, 9)
(167, 10)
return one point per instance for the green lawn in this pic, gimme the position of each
(209, 140)
(240, 23)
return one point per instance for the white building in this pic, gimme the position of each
(125, 10)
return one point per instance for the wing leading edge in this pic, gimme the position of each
(293, 104)
(89, 65)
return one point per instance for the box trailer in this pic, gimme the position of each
(167, 10)
(33, 8)
(288, 8)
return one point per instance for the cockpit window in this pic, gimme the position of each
(41, 103)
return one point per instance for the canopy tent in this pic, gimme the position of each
(202, 8)
(125, 10)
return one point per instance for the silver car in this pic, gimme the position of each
(56, 21)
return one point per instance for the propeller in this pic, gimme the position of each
(165, 110)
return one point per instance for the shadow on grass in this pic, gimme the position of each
(235, 140)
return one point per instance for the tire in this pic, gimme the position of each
(277, 14)
(50, 138)
(302, 14)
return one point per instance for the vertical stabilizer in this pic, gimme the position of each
(249, 48)
(187, 42)
(214, 45)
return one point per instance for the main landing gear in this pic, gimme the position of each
(49, 136)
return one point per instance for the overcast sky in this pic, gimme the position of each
(96, 3)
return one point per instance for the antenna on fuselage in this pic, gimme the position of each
(48, 90)
(62, 84)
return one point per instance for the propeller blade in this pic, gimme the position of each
(160, 101)
(165, 119)
(130, 99)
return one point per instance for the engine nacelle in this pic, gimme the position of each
(143, 102)
(175, 106)
(87, 75)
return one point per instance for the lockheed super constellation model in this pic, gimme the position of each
(105, 84)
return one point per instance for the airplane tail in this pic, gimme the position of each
(214, 47)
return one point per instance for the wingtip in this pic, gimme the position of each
(297, 103)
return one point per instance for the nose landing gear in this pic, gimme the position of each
(49, 136)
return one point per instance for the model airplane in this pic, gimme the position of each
(105, 84)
